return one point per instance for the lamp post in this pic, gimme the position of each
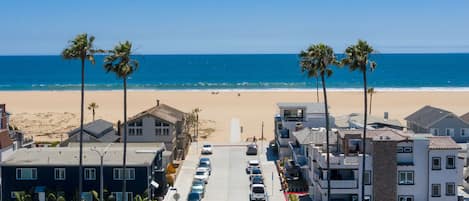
(101, 180)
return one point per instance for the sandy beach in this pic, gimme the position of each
(48, 115)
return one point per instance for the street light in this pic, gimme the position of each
(101, 180)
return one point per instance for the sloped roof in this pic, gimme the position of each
(465, 117)
(97, 128)
(5, 140)
(442, 142)
(378, 134)
(310, 107)
(164, 112)
(427, 116)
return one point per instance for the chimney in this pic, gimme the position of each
(157, 102)
(386, 116)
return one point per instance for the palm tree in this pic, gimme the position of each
(81, 48)
(93, 106)
(305, 64)
(371, 91)
(357, 58)
(317, 61)
(22, 196)
(121, 63)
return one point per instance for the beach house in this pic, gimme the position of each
(161, 123)
(95, 131)
(39, 171)
(293, 117)
(4, 117)
(355, 121)
(439, 122)
(399, 166)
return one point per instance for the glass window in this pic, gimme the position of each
(118, 173)
(406, 177)
(118, 196)
(450, 162)
(405, 198)
(449, 131)
(90, 174)
(26, 173)
(450, 189)
(434, 131)
(59, 173)
(436, 190)
(436, 163)
(367, 177)
(464, 132)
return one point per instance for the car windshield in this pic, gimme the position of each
(207, 146)
(256, 171)
(258, 190)
(199, 173)
(203, 165)
(197, 183)
(204, 160)
(193, 196)
(197, 188)
(253, 163)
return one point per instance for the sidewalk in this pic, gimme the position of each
(184, 179)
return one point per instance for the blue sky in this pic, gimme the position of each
(240, 26)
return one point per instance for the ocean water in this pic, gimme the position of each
(235, 72)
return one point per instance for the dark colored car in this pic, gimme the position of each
(251, 149)
(255, 171)
(194, 197)
(257, 179)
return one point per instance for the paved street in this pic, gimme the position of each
(229, 180)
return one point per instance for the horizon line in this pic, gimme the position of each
(247, 53)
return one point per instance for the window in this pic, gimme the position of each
(450, 189)
(464, 132)
(118, 174)
(135, 128)
(161, 128)
(406, 177)
(436, 190)
(434, 131)
(367, 177)
(90, 174)
(118, 196)
(436, 163)
(86, 196)
(402, 149)
(405, 198)
(59, 173)
(449, 132)
(450, 162)
(26, 173)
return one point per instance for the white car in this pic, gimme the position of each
(257, 192)
(207, 149)
(251, 164)
(201, 174)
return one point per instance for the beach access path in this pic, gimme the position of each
(229, 181)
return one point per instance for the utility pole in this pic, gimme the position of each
(101, 177)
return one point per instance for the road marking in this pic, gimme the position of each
(235, 134)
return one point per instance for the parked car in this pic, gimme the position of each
(257, 193)
(194, 197)
(201, 174)
(251, 149)
(207, 149)
(198, 189)
(257, 179)
(251, 164)
(197, 182)
(255, 171)
(206, 167)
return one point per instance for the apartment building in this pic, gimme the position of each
(399, 166)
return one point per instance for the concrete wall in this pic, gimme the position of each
(6, 152)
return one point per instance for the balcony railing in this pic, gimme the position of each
(336, 159)
(339, 184)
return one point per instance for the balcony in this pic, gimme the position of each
(339, 184)
(299, 156)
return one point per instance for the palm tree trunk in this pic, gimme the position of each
(365, 116)
(327, 139)
(124, 180)
(80, 165)
(93, 114)
(317, 89)
(371, 101)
